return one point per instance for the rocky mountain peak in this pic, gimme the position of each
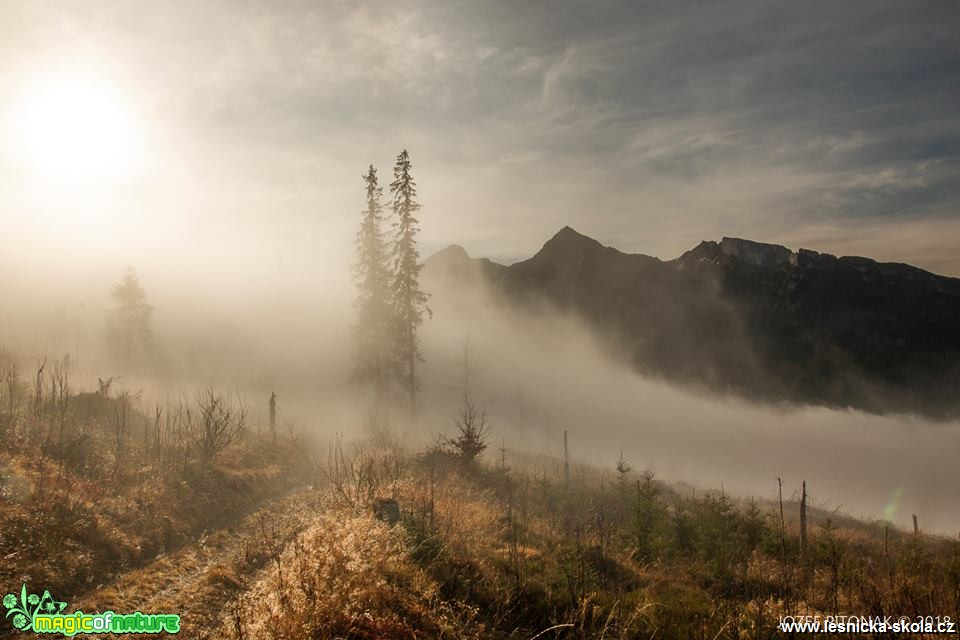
(567, 240)
(758, 254)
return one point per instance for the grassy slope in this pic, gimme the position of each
(478, 556)
(92, 488)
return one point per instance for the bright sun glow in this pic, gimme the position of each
(75, 128)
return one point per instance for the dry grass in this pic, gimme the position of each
(70, 534)
(348, 576)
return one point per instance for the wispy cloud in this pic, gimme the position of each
(647, 124)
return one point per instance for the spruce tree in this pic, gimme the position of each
(128, 323)
(409, 301)
(371, 333)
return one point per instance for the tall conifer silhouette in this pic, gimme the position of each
(372, 331)
(409, 301)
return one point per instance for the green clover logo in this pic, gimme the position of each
(23, 609)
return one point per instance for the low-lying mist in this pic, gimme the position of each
(541, 374)
(536, 373)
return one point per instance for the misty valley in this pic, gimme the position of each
(586, 443)
(479, 320)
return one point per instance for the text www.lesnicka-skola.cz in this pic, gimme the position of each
(868, 624)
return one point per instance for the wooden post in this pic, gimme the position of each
(639, 513)
(273, 416)
(916, 527)
(803, 521)
(433, 528)
(566, 459)
(783, 538)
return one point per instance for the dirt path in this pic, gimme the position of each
(201, 578)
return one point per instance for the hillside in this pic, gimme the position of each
(511, 550)
(757, 320)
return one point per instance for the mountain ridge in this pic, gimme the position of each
(754, 319)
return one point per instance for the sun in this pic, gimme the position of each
(74, 127)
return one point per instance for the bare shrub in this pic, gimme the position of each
(215, 424)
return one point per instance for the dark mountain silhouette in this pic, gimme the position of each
(454, 265)
(754, 319)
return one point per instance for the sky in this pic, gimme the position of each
(647, 125)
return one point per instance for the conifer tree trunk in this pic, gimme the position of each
(412, 373)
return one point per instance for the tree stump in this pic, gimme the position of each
(386, 510)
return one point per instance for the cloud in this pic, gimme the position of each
(649, 124)
(890, 179)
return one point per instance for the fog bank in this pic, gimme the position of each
(535, 372)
